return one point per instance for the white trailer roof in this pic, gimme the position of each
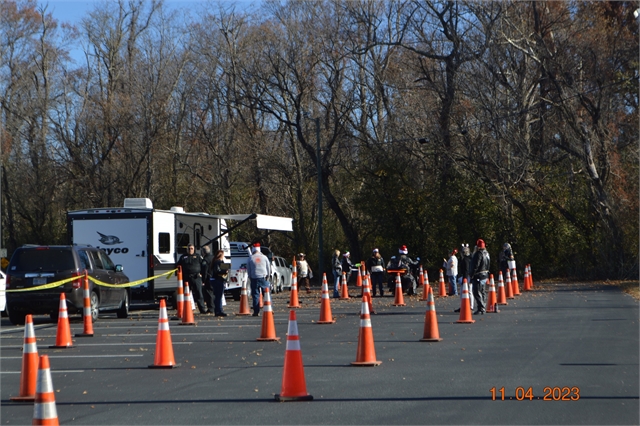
(263, 221)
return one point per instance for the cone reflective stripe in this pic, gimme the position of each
(366, 292)
(268, 330)
(399, 299)
(187, 314)
(508, 287)
(294, 386)
(63, 334)
(502, 295)
(44, 407)
(431, 332)
(442, 291)
(86, 310)
(514, 282)
(29, 372)
(465, 305)
(164, 347)
(180, 295)
(244, 300)
(492, 299)
(325, 304)
(293, 299)
(344, 291)
(366, 354)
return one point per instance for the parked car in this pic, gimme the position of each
(32, 266)
(240, 253)
(3, 297)
(281, 274)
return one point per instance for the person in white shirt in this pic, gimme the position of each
(304, 272)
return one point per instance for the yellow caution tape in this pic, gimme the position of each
(133, 283)
(46, 286)
(95, 281)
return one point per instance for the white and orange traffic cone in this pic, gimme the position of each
(344, 291)
(293, 298)
(358, 278)
(502, 295)
(86, 310)
(44, 407)
(164, 347)
(29, 371)
(425, 292)
(366, 353)
(294, 386)
(530, 278)
(442, 291)
(398, 297)
(465, 305)
(492, 299)
(514, 282)
(244, 301)
(431, 331)
(268, 330)
(187, 314)
(63, 334)
(527, 287)
(325, 306)
(508, 287)
(180, 295)
(366, 292)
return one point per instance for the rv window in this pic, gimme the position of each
(164, 242)
(182, 243)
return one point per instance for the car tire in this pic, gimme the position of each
(235, 293)
(280, 285)
(123, 311)
(95, 306)
(16, 318)
(54, 316)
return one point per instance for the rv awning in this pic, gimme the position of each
(263, 221)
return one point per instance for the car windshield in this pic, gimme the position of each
(41, 260)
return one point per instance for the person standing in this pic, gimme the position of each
(347, 266)
(480, 263)
(218, 278)
(509, 259)
(406, 263)
(375, 266)
(191, 263)
(207, 288)
(336, 267)
(451, 265)
(304, 271)
(259, 269)
(465, 270)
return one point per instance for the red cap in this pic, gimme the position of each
(480, 243)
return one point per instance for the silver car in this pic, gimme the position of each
(281, 274)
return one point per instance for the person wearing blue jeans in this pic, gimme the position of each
(336, 267)
(480, 272)
(259, 269)
(452, 272)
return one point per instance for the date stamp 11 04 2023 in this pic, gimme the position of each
(550, 393)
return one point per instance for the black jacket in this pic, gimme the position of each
(191, 264)
(480, 264)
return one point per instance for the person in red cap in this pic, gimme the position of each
(259, 270)
(480, 263)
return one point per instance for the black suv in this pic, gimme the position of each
(31, 266)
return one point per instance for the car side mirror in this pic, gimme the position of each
(119, 268)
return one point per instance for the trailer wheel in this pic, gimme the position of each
(235, 293)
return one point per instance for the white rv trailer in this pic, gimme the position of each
(149, 242)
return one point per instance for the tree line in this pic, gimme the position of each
(438, 123)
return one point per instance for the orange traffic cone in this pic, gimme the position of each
(358, 278)
(187, 314)
(502, 295)
(492, 299)
(86, 310)
(164, 347)
(268, 331)
(244, 301)
(366, 354)
(180, 296)
(294, 386)
(465, 305)
(293, 298)
(431, 332)
(508, 287)
(530, 278)
(399, 299)
(325, 307)
(425, 293)
(366, 292)
(526, 278)
(514, 282)
(261, 302)
(44, 408)
(344, 291)
(29, 370)
(63, 334)
(442, 291)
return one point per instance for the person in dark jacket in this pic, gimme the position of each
(191, 263)
(207, 288)
(218, 278)
(375, 266)
(336, 267)
(480, 263)
(465, 271)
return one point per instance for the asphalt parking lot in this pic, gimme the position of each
(580, 336)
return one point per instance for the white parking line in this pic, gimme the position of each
(105, 344)
(52, 371)
(77, 356)
(153, 335)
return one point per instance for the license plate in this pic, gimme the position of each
(39, 281)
